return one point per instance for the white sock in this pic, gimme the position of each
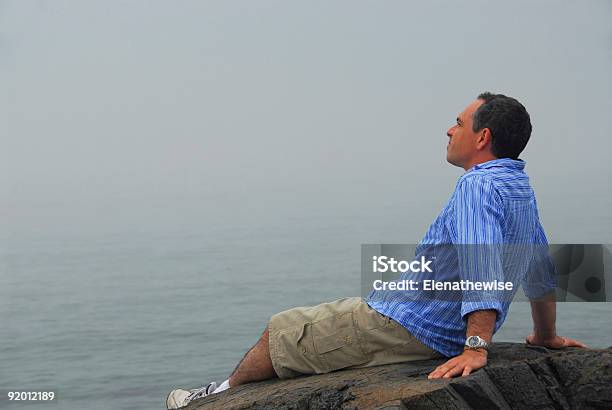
(224, 386)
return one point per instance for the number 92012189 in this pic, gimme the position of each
(31, 395)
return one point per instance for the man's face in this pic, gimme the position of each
(461, 146)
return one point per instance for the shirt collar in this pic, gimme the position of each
(517, 164)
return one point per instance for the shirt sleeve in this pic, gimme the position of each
(541, 276)
(478, 239)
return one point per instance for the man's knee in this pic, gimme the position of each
(265, 336)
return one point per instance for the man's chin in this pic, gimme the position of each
(452, 161)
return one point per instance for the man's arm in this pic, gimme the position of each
(539, 285)
(479, 323)
(477, 231)
(544, 314)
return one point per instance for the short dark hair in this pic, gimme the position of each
(508, 121)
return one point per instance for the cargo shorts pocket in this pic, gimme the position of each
(337, 342)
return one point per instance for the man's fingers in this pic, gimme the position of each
(453, 372)
(434, 374)
(558, 342)
(442, 369)
(459, 366)
(573, 343)
(437, 373)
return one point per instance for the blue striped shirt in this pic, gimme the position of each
(493, 203)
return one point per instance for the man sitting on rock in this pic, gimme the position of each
(493, 203)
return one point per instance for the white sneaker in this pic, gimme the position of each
(180, 398)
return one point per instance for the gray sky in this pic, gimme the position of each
(149, 115)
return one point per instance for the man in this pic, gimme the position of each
(492, 204)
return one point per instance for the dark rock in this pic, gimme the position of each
(517, 377)
(479, 391)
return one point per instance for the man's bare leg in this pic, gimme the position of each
(256, 364)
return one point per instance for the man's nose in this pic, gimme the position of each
(449, 133)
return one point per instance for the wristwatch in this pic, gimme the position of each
(475, 343)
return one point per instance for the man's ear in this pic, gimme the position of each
(484, 139)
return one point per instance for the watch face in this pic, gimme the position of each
(472, 341)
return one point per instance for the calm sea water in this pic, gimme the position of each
(116, 321)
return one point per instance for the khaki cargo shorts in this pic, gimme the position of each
(336, 335)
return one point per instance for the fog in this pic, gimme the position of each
(149, 116)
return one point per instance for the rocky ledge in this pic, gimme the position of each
(517, 377)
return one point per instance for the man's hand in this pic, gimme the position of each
(557, 342)
(463, 364)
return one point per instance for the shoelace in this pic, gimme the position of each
(198, 392)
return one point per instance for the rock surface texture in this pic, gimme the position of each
(517, 377)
